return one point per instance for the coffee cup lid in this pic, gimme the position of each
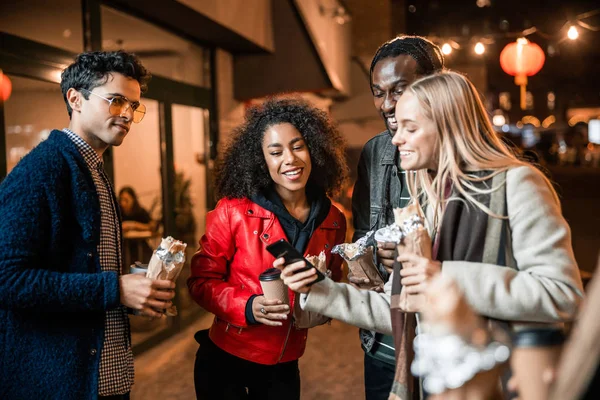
(270, 274)
(138, 268)
(538, 337)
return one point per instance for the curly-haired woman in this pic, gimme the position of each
(273, 181)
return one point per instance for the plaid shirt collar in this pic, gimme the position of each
(92, 159)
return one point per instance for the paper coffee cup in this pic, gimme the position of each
(272, 285)
(534, 351)
(138, 268)
(141, 269)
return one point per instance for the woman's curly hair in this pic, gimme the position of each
(242, 170)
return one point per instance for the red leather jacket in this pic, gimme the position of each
(224, 274)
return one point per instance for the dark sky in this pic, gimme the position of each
(447, 17)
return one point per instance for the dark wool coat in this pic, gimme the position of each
(53, 295)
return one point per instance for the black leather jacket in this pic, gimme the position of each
(380, 187)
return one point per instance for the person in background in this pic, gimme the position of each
(274, 180)
(381, 186)
(135, 219)
(63, 301)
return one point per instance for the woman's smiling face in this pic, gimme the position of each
(287, 158)
(416, 137)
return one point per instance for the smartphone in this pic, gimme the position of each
(283, 248)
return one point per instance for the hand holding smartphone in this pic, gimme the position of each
(282, 248)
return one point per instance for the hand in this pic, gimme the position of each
(548, 378)
(128, 226)
(269, 312)
(420, 272)
(298, 282)
(150, 297)
(385, 255)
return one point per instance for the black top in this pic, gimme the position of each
(297, 232)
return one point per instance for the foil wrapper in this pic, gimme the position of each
(412, 223)
(359, 257)
(167, 263)
(352, 251)
(454, 344)
(395, 233)
(390, 234)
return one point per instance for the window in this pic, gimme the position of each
(163, 53)
(31, 112)
(55, 23)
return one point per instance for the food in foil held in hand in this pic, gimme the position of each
(391, 233)
(359, 257)
(351, 251)
(167, 262)
(454, 345)
(416, 240)
(320, 263)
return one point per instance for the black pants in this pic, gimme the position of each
(115, 397)
(219, 375)
(379, 377)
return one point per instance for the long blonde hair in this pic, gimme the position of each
(467, 143)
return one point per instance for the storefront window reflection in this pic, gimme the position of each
(163, 53)
(32, 111)
(190, 126)
(56, 23)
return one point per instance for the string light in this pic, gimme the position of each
(573, 26)
(479, 48)
(446, 49)
(573, 33)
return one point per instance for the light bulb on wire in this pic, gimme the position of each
(446, 49)
(573, 33)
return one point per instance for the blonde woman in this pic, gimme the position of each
(513, 259)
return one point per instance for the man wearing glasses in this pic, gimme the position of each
(63, 301)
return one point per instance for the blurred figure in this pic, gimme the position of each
(135, 218)
(274, 180)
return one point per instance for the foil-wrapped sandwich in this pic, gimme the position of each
(304, 319)
(409, 233)
(320, 263)
(167, 262)
(359, 257)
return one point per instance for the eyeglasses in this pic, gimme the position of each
(119, 105)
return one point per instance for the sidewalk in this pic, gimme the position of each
(331, 368)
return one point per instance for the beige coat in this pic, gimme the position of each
(543, 285)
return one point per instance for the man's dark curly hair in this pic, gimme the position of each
(93, 69)
(242, 170)
(427, 54)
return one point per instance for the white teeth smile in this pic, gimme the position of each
(405, 153)
(292, 173)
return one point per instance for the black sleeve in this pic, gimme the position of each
(361, 199)
(143, 217)
(249, 314)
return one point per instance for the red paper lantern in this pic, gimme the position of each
(5, 86)
(522, 59)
